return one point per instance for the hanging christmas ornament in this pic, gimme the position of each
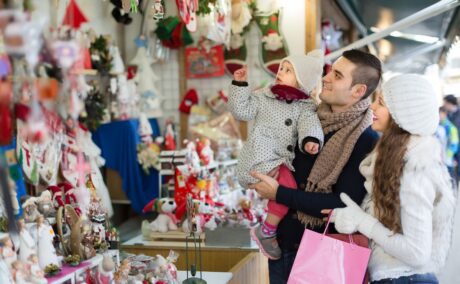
(74, 17)
(273, 47)
(158, 9)
(236, 52)
(190, 99)
(330, 35)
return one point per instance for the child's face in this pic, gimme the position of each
(286, 75)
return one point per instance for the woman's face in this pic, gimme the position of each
(381, 115)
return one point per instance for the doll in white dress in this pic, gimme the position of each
(46, 251)
(26, 242)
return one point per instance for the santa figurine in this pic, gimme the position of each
(57, 196)
(26, 242)
(70, 197)
(46, 251)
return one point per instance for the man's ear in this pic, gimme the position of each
(359, 90)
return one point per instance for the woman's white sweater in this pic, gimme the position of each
(427, 206)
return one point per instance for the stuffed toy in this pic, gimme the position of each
(56, 196)
(166, 220)
(203, 214)
(30, 210)
(45, 204)
(164, 269)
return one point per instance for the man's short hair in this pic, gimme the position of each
(451, 99)
(368, 69)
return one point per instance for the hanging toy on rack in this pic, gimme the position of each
(158, 9)
(172, 33)
(187, 12)
(330, 41)
(273, 47)
(236, 53)
(122, 6)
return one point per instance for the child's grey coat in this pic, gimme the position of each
(277, 126)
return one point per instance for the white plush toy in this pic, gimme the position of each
(166, 219)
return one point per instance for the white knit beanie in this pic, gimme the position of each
(308, 68)
(412, 103)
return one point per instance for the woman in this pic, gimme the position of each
(408, 211)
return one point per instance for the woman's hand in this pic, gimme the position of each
(350, 218)
(267, 187)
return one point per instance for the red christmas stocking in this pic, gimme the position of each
(273, 47)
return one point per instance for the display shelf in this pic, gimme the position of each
(228, 163)
(69, 273)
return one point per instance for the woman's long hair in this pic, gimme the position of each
(391, 150)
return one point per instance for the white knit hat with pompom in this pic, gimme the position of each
(412, 103)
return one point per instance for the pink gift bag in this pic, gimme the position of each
(327, 260)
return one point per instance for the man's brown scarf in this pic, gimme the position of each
(348, 126)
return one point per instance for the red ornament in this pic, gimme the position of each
(74, 17)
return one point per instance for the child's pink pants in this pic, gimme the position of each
(286, 179)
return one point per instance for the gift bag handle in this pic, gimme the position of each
(326, 230)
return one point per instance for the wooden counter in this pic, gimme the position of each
(246, 263)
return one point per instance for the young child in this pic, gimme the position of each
(284, 114)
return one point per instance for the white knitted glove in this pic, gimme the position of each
(352, 218)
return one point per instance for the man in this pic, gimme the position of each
(346, 118)
(453, 114)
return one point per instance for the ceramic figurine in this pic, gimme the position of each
(8, 253)
(46, 252)
(5, 275)
(26, 242)
(19, 272)
(37, 275)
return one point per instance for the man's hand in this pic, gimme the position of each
(267, 187)
(311, 148)
(241, 75)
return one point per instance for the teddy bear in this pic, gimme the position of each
(165, 221)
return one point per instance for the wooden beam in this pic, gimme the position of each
(182, 89)
(312, 24)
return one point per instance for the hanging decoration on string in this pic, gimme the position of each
(273, 47)
(172, 33)
(236, 53)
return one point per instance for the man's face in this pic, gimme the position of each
(286, 75)
(449, 107)
(337, 90)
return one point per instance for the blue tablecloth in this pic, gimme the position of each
(118, 141)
